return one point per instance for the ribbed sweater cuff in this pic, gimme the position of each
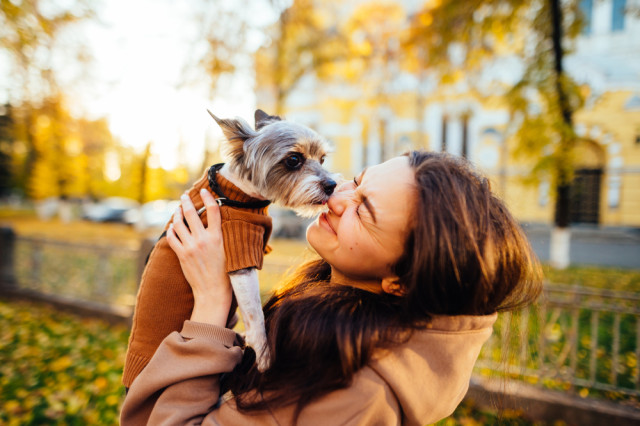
(135, 363)
(193, 329)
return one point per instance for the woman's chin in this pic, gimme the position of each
(313, 235)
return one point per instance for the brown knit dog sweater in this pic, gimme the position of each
(164, 298)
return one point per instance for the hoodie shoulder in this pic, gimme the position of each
(429, 375)
(369, 400)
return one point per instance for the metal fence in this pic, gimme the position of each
(580, 340)
(83, 276)
(91, 272)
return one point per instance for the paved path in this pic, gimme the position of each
(619, 247)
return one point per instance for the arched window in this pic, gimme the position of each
(487, 151)
(617, 15)
(586, 6)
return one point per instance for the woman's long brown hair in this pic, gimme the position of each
(465, 255)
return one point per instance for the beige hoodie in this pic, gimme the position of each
(416, 383)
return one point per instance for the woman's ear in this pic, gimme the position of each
(391, 285)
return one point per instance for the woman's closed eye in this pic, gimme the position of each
(362, 199)
(359, 201)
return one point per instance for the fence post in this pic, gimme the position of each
(7, 256)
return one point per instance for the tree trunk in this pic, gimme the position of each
(143, 174)
(561, 235)
(32, 155)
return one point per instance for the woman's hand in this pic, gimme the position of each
(201, 254)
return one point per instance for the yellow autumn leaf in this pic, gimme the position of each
(100, 383)
(103, 367)
(12, 406)
(112, 400)
(61, 363)
(426, 19)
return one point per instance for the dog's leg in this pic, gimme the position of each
(247, 290)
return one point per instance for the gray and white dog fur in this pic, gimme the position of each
(280, 161)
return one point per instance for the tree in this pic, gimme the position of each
(30, 33)
(220, 50)
(57, 169)
(6, 124)
(451, 35)
(144, 169)
(302, 41)
(374, 51)
(480, 27)
(97, 141)
(366, 54)
(559, 96)
(30, 37)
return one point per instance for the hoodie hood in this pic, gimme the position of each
(430, 374)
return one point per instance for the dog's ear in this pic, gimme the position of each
(262, 118)
(237, 132)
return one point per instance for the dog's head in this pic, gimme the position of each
(282, 160)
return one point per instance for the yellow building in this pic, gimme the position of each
(368, 122)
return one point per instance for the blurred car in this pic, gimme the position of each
(110, 209)
(286, 224)
(154, 214)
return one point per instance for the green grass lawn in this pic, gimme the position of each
(60, 369)
(598, 277)
(57, 368)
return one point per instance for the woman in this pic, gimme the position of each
(417, 256)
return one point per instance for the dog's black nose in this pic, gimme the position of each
(329, 186)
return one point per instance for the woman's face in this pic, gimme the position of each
(363, 234)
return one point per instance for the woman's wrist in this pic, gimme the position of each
(212, 308)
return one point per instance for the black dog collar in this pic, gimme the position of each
(223, 200)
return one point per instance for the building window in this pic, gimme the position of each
(617, 15)
(443, 147)
(465, 136)
(486, 152)
(365, 144)
(586, 6)
(613, 194)
(385, 141)
(404, 145)
(543, 193)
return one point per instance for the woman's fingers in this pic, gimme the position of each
(183, 233)
(191, 215)
(178, 225)
(213, 211)
(173, 240)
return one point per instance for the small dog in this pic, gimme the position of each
(279, 161)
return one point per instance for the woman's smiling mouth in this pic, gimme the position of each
(323, 220)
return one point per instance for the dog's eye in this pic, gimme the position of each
(294, 161)
(322, 160)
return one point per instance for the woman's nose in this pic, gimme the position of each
(338, 200)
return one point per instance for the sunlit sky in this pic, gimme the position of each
(139, 51)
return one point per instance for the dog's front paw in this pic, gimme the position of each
(258, 341)
(263, 360)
